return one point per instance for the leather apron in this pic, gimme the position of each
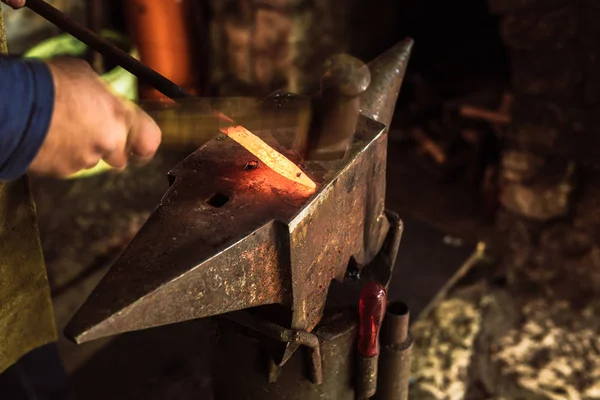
(26, 314)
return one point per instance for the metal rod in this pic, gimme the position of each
(394, 361)
(109, 50)
(473, 260)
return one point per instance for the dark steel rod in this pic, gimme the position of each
(109, 50)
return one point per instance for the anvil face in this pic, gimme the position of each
(231, 234)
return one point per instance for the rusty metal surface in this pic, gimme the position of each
(281, 334)
(243, 365)
(387, 74)
(240, 369)
(379, 103)
(226, 237)
(342, 296)
(346, 294)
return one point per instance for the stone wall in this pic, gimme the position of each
(259, 46)
(555, 77)
(550, 168)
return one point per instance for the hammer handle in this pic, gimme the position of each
(109, 50)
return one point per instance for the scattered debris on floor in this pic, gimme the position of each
(444, 345)
(531, 348)
(555, 353)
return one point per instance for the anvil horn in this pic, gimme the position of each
(230, 233)
(387, 75)
(378, 103)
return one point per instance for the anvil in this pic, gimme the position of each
(232, 234)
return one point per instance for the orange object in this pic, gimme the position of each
(268, 155)
(161, 30)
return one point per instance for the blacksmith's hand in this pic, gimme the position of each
(90, 123)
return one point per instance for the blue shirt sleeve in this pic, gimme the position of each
(26, 107)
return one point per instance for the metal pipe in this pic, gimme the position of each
(394, 360)
(395, 326)
(109, 50)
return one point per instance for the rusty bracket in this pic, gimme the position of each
(292, 337)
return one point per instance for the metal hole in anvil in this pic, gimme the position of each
(218, 200)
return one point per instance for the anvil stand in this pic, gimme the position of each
(326, 364)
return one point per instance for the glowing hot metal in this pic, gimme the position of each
(265, 153)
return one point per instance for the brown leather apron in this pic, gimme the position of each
(26, 315)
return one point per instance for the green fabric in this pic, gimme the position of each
(26, 314)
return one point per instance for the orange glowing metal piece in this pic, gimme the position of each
(265, 153)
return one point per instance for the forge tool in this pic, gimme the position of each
(280, 265)
(371, 310)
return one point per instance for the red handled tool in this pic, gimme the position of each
(371, 310)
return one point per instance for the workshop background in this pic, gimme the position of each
(494, 141)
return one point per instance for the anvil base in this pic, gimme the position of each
(242, 369)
